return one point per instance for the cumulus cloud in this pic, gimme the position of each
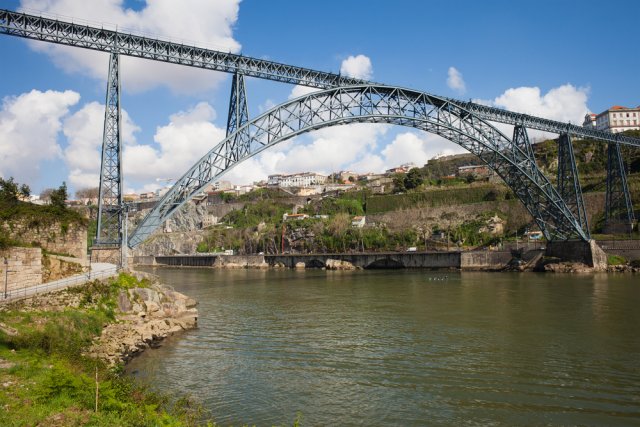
(200, 22)
(455, 80)
(299, 90)
(565, 103)
(83, 131)
(187, 137)
(358, 67)
(29, 127)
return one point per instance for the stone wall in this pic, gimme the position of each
(70, 240)
(25, 268)
(56, 267)
(109, 254)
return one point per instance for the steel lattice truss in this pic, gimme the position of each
(380, 104)
(110, 193)
(238, 115)
(67, 33)
(618, 202)
(88, 37)
(568, 181)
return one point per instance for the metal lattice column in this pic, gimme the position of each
(238, 116)
(619, 216)
(569, 183)
(521, 143)
(109, 230)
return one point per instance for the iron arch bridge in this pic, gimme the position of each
(511, 158)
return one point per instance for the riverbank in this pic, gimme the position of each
(57, 349)
(530, 260)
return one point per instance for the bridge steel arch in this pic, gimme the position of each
(371, 103)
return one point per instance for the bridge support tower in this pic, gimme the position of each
(108, 245)
(569, 183)
(619, 217)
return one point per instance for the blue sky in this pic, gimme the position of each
(557, 59)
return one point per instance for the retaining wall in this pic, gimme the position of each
(25, 268)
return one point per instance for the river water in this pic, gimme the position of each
(405, 348)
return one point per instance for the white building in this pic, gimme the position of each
(305, 179)
(616, 119)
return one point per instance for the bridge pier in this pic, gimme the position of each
(586, 252)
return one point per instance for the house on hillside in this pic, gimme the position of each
(358, 221)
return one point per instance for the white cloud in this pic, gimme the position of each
(358, 67)
(178, 145)
(200, 22)
(455, 80)
(323, 151)
(299, 90)
(565, 103)
(29, 126)
(84, 131)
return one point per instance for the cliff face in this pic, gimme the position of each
(180, 235)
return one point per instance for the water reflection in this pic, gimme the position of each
(406, 348)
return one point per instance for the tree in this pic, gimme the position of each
(10, 190)
(45, 195)
(59, 196)
(413, 179)
(398, 183)
(88, 193)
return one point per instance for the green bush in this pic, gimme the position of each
(616, 260)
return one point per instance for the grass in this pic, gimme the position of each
(45, 378)
(49, 381)
(616, 260)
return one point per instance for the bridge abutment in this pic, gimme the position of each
(586, 252)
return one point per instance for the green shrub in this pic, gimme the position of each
(616, 260)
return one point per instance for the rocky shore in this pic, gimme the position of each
(145, 317)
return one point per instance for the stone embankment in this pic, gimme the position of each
(145, 317)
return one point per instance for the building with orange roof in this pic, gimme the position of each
(616, 119)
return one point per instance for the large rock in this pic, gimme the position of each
(146, 316)
(336, 264)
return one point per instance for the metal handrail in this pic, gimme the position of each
(27, 291)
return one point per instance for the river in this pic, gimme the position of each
(405, 348)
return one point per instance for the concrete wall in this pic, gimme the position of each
(440, 260)
(25, 268)
(52, 237)
(482, 260)
(372, 260)
(629, 249)
(588, 253)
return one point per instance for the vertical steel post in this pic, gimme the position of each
(619, 217)
(109, 230)
(569, 182)
(237, 117)
(521, 144)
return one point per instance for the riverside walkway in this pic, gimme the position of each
(100, 270)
